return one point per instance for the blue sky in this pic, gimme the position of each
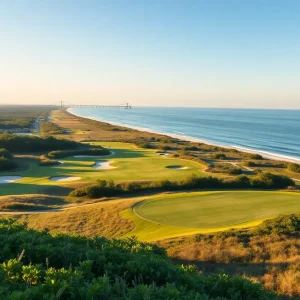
(217, 53)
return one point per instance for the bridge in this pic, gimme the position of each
(63, 105)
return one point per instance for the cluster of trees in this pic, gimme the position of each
(24, 144)
(6, 160)
(103, 188)
(37, 265)
(294, 167)
(65, 153)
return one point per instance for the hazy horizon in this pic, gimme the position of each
(221, 54)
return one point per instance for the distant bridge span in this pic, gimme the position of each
(126, 106)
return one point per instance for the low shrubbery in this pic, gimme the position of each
(268, 253)
(49, 162)
(294, 167)
(7, 164)
(6, 160)
(5, 154)
(36, 265)
(218, 156)
(105, 188)
(66, 153)
(225, 168)
(254, 156)
(49, 128)
(24, 144)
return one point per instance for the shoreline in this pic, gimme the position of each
(264, 154)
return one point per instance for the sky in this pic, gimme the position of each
(216, 53)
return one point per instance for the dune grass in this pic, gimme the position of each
(166, 216)
(131, 163)
(102, 219)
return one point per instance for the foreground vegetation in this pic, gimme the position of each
(36, 265)
(268, 253)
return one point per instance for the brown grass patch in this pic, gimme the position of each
(102, 219)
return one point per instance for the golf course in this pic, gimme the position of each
(126, 160)
(178, 214)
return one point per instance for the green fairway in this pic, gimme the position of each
(130, 163)
(186, 213)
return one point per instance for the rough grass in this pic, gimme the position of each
(30, 202)
(80, 129)
(100, 219)
(273, 260)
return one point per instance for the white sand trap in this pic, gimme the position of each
(82, 156)
(9, 179)
(163, 153)
(64, 178)
(103, 165)
(177, 167)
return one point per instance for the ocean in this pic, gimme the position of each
(273, 133)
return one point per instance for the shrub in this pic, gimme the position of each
(35, 265)
(255, 156)
(66, 153)
(294, 167)
(272, 181)
(7, 164)
(250, 164)
(5, 154)
(218, 156)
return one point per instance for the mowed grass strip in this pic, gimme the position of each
(202, 212)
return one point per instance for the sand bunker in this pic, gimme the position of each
(9, 179)
(163, 153)
(177, 167)
(104, 165)
(64, 178)
(81, 156)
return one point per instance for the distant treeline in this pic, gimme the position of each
(105, 188)
(12, 116)
(24, 144)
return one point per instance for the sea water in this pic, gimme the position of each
(269, 132)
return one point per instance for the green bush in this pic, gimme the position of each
(5, 154)
(280, 225)
(255, 156)
(66, 153)
(7, 164)
(36, 265)
(218, 156)
(105, 188)
(24, 144)
(294, 167)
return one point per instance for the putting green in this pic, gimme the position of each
(201, 212)
(130, 162)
